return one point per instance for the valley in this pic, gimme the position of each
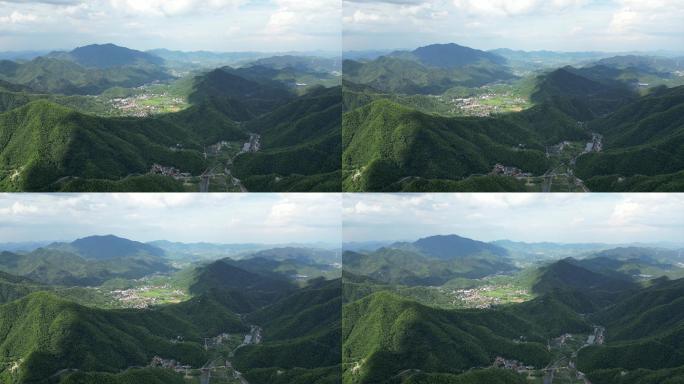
(219, 321)
(445, 117)
(165, 129)
(561, 320)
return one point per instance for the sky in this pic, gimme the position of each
(189, 25)
(565, 218)
(559, 25)
(219, 218)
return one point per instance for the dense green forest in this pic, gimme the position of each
(98, 118)
(52, 331)
(618, 327)
(421, 121)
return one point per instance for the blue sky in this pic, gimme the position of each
(561, 25)
(610, 218)
(216, 25)
(222, 218)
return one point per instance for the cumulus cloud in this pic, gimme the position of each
(303, 15)
(52, 2)
(514, 7)
(213, 25)
(17, 17)
(264, 218)
(658, 16)
(19, 208)
(612, 218)
(172, 7)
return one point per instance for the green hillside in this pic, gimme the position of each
(384, 142)
(45, 334)
(397, 266)
(133, 376)
(49, 147)
(645, 138)
(42, 142)
(389, 145)
(53, 266)
(385, 335)
(300, 139)
(109, 55)
(644, 332)
(302, 337)
(50, 75)
(15, 287)
(432, 69)
(393, 339)
(46, 337)
(107, 247)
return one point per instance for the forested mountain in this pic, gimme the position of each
(301, 145)
(303, 333)
(428, 70)
(48, 147)
(395, 339)
(622, 133)
(44, 334)
(451, 56)
(384, 142)
(302, 63)
(291, 330)
(409, 339)
(642, 138)
(51, 75)
(43, 142)
(430, 261)
(108, 56)
(582, 93)
(53, 266)
(107, 247)
(451, 246)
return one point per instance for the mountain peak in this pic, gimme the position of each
(452, 55)
(450, 246)
(110, 55)
(111, 247)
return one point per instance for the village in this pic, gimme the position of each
(563, 368)
(147, 103)
(218, 369)
(486, 296)
(488, 104)
(147, 296)
(218, 174)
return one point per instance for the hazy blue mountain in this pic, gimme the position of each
(452, 56)
(108, 247)
(108, 56)
(451, 247)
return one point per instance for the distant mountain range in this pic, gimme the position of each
(429, 261)
(396, 139)
(118, 346)
(108, 56)
(300, 137)
(87, 261)
(428, 70)
(107, 247)
(451, 246)
(389, 333)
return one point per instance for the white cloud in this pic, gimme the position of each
(612, 218)
(361, 16)
(19, 208)
(17, 17)
(514, 7)
(303, 15)
(263, 218)
(172, 7)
